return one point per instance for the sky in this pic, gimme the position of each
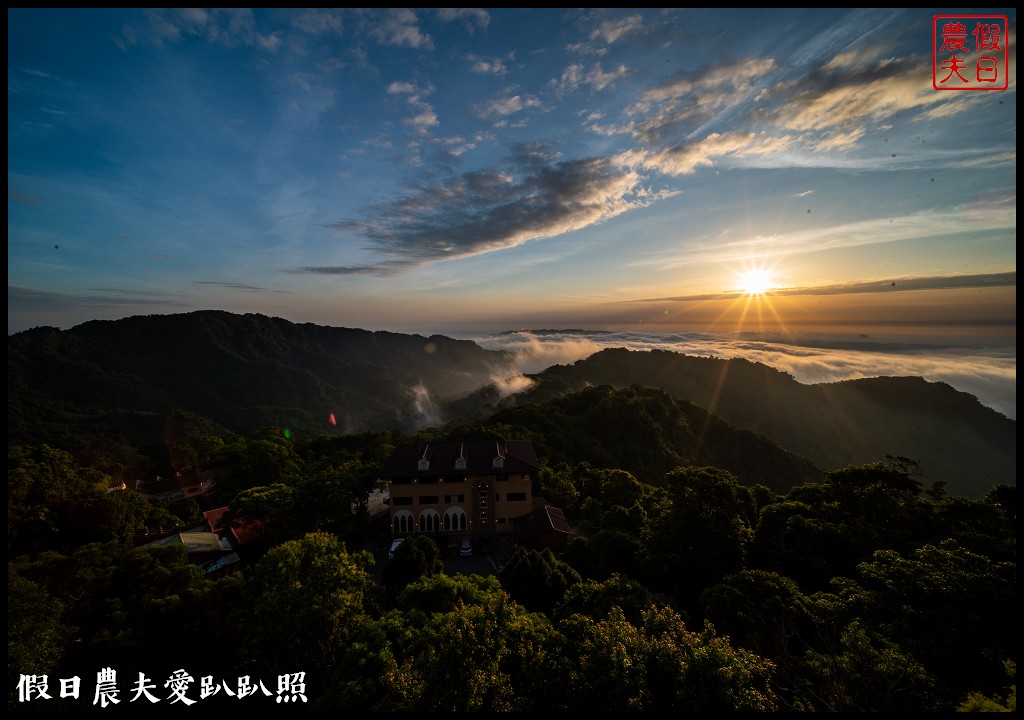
(785, 176)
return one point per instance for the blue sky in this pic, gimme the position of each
(428, 170)
(758, 176)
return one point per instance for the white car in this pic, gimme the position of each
(394, 546)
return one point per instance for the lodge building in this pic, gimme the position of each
(460, 488)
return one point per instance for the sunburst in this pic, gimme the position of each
(757, 281)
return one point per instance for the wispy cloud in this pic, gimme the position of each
(237, 286)
(22, 300)
(229, 27)
(684, 104)
(858, 95)
(995, 213)
(22, 197)
(684, 158)
(318, 21)
(887, 285)
(423, 116)
(488, 66)
(400, 27)
(385, 268)
(472, 18)
(479, 212)
(575, 77)
(612, 30)
(508, 105)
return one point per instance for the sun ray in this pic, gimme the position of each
(757, 281)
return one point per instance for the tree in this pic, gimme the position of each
(1005, 701)
(908, 598)
(537, 579)
(700, 536)
(864, 672)
(36, 634)
(660, 666)
(766, 613)
(1004, 497)
(306, 599)
(270, 509)
(264, 458)
(597, 599)
(418, 556)
(557, 486)
(451, 644)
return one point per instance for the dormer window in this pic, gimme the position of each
(498, 462)
(424, 464)
(460, 463)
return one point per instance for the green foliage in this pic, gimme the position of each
(1004, 498)
(556, 484)
(1005, 701)
(537, 580)
(977, 525)
(955, 439)
(418, 556)
(304, 600)
(339, 475)
(852, 591)
(661, 666)
(268, 508)
(823, 530)
(972, 598)
(455, 645)
(597, 600)
(647, 433)
(36, 634)
(53, 502)
(865, 672)
(763, 612)
(805, 541)
(701, 536)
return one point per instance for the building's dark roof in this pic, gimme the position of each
(517, 456)
(542, 521)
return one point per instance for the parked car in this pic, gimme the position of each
(394, 546)
(466, 547)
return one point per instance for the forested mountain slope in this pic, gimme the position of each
(242, 372)
(953, 437)
(122, 380)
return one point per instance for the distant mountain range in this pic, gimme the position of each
(123, 379)
(950, 434)
(241, 372)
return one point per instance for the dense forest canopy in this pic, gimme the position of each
(709, 569)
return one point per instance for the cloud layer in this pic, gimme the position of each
(988, 373)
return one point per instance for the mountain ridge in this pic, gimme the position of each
(949, 433)
(246, 372)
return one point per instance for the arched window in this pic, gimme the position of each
(455, 519)
(430, 521)
(402, 522)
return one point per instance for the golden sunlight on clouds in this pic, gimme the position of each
(946, 312)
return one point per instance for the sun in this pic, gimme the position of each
(757, 282)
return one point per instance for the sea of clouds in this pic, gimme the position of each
(987, 370)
